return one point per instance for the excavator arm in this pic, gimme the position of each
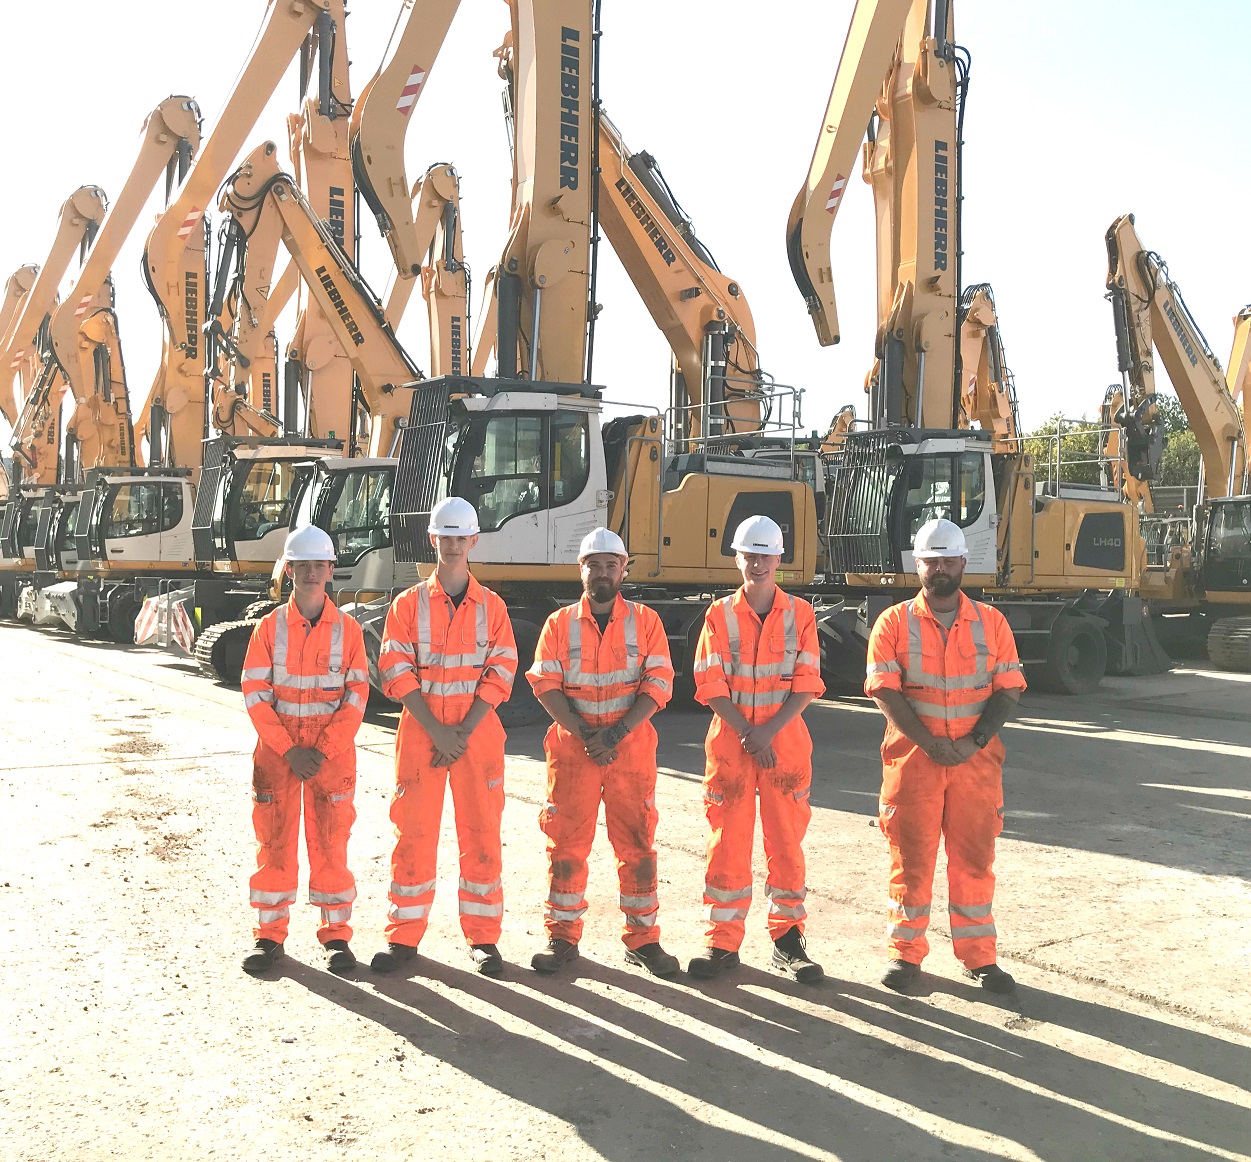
(267, 203)
(16, 288)
(867, 57)
(701, 312)
(989, 397)
(1151, 316)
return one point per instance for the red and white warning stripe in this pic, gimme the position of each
(188, 223)
(412, 87)
(146, 622)
(17, 360)
(836, 193)
(183, 630)
(84, 304)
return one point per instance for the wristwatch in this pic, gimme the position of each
(980, 738)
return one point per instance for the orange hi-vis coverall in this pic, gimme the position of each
(451, 655)
(304, 685)
(757, 665)
(602, 675)
(947, 678)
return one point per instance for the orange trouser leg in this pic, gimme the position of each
(329, 812)
(730, 807)
(574, 787)
(910, 814)
(276, 795)
(972, 818)
(478, 799)
(630, 813)
(784, 814)
(416, 811)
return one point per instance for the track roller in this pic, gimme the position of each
(220, 649)
(1229, 644)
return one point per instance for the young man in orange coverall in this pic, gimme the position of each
(449, 656)
(757, 665)
(305, 686)
(944, 671)
(601, 670)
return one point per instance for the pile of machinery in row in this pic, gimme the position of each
(166, 528)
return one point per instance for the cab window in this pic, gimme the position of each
(361, 519)
(143, 508)
(571, 456)
(263, 499)
(501, 468)
(950, 487)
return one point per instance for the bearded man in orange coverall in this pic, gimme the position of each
(601, 670)
(944, 671)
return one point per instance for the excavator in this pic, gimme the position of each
(36, 433)
(205, 506)
(1209, 571)
(18, 285)
(1062, 562)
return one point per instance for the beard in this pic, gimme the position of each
(601, 592)
(943, 585)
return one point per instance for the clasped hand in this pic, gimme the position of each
(450, 742)
(600, 745)
(949, 752)
(304, 761)
(758, 742)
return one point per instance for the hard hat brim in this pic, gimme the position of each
(936, 555)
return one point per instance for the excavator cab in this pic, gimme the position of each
(1226, 570)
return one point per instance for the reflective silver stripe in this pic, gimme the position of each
(970, 911)
(784, 894)
(565, 915)
(656, 660)
(648, 921)
(423, 623)
(336, 915)
(724, 915)
(280, 639)
(715, 798)
(973, 932)
(493, 783)
(258, 897)
(412, 890)
(336, 646)
(564, 899)
(262, 796)
(882, 668)
(648, 901)
(308, 681)
(727, 895)
(258, 674)
(908, 912)
(606, 706)
(763, 670)
(662, 683)
(790, 645)
(341, 796)
(762, 698)
(730, 662)
(1007, 667)
(798, 912)
(272, 916)
(804, 658)
(449, 689)
(900, 932)
(352, 698)
(306, 709)
(548, 666)
(703, 665)
(608, 678)
(256, 697)
(412, 912)
(471, 908)
(331, 897)
(356, 676)
(501, 652)
(395, 671)
(390, 646)
(479, 889)
(947, 713)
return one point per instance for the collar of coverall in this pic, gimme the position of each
(473, 592)
(584, 608)
(964, 612)
(781, 600)
(328, 616)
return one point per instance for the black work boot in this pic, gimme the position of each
(712, 962)
(339, 957)
(394, 958)
(900, 975)
(264, 956)
(790, 955)
(653, 958)
(555, 956)
(992, 978)
(487, 959)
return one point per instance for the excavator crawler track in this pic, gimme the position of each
(1229, 644)
(220, 649)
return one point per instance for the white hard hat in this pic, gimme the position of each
(939, 538)
(758, 534)
(601, 540)
(309, 543)
(453, 517)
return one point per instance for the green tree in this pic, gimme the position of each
(1078, 450)
(1180, 463)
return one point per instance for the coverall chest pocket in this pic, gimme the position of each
(969, 662)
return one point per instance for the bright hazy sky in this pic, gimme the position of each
(1078, 112)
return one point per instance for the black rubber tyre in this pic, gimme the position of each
(523, 708)
(1077, 656)
(1229, 644)
(123, 610)
(220, 650)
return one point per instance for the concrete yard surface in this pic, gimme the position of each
(130, 1031)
